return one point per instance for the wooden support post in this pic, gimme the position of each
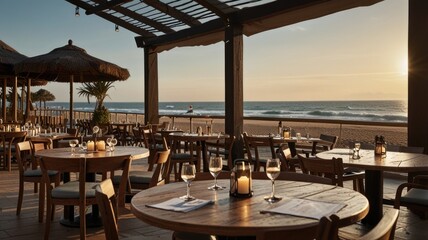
(151, 87)
(15, 101)
(234, 101)
(418, 74)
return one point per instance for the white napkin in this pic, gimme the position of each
(180, 205)
(306, 208)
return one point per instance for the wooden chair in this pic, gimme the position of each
(178, 156)
(322, 233)
(145, 179)
(107, 203)
(416, 197)
(24, 157)
(223, 148)
(333, 169)
(80, 193)
(253, 145)
(328, 142)
(384, 230)
(8, 140)
(288, 163)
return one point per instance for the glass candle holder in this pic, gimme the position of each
(241, 185)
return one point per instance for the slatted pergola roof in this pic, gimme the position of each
(165, 24)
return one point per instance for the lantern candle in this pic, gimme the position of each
(243, 185)
(101, 145)
(91, 146)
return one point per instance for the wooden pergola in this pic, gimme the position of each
(165, 24)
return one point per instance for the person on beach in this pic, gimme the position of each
(190, 109)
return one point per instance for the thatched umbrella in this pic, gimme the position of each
(9, 57)
(70, 64)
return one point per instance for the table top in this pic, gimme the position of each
(65, 153)
(53, 136)
(394, 161)
(241, 216)
(202, 137)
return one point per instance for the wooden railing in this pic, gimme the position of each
(58, 116)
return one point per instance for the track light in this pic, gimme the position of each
(116, 28)
(76, 12)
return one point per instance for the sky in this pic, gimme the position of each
(359, 54)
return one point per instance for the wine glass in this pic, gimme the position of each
(272, 171)
(188, 174)
(108, 141)
(95, 129)
(215, 166)
(84, 146)
(113, 143)
(73, 143)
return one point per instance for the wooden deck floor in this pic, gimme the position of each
(26, 226)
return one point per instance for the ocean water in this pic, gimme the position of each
(379, 111)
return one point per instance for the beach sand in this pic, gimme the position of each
(346, 133)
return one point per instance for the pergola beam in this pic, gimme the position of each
(105, 5)
(165, 8)
(213, 6)
(140, 18)
(115, 20)
(255, 19)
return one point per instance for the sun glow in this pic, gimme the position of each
(404, 67)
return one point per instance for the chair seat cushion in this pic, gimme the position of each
(38, 173)
(71, 190)
(180, 156)
(416, 195)
(137, 177)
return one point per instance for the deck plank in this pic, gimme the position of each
(26, 226)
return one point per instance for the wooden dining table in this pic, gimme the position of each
(199, 139)
(292, 141)
(374, 167)
(93, 219)
(229, 216)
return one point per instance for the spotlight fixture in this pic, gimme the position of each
(116, 28)
(76, 12)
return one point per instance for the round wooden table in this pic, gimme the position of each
(230, 216)
(93, 219)
(374, 167)
(65, 153)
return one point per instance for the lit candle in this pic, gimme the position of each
(91, 146)
(243, 185)
(101, 145)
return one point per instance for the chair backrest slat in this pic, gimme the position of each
(106, 200)
(330, 168)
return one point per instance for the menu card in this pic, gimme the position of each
(181, 205)
(306, 208)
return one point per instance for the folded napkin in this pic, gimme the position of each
(180, 205)
(306, 208)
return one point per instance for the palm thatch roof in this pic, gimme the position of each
(8, 57)
(59, 64)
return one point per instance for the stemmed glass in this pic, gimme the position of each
(188, 175)
(272, 171)
(113, 143)
(84, 146)
(108, 141)
(73, 143)
(215, 166)
(95, 130)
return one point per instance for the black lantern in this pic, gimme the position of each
(286, 132)
(380, 146)
(241, 184)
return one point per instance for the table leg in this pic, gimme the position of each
(374, 193)
(204, 157)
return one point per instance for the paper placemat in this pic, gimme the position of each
(180, 205)
(306, 208)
